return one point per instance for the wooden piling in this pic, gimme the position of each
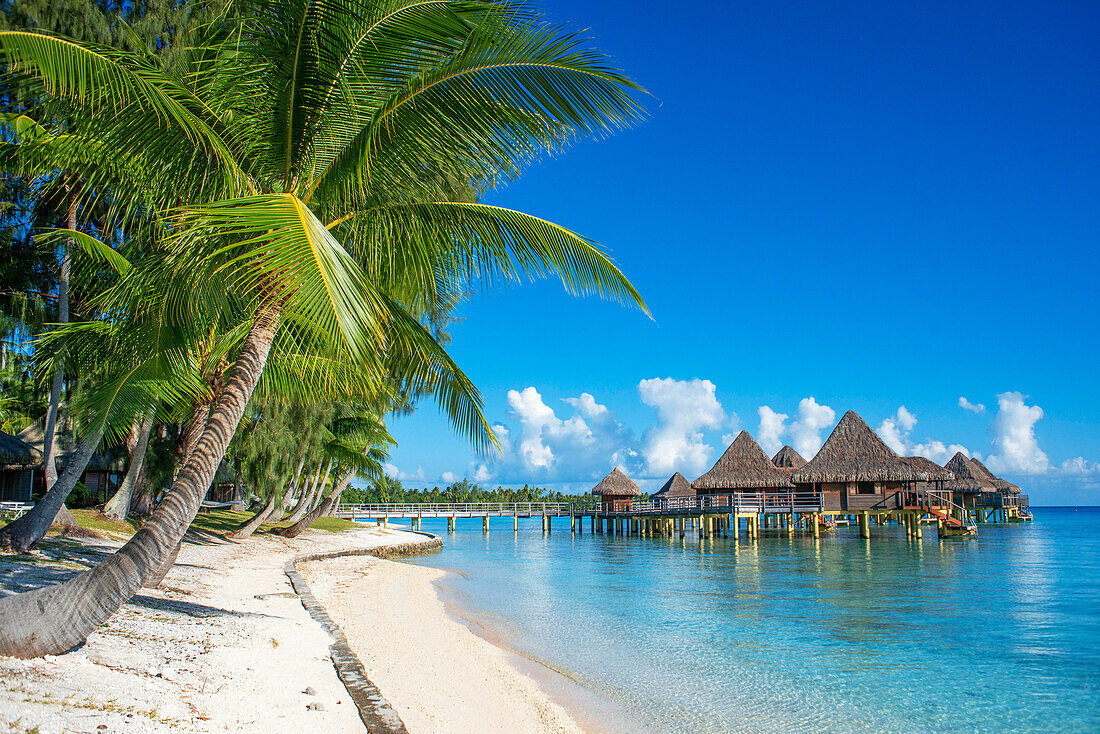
(485, 524)
(864, 525)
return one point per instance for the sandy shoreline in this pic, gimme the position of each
(225, 645)
(435, 672)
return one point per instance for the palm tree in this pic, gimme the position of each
(322, 151)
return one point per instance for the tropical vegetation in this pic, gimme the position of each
(279, 214)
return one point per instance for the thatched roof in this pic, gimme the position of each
(788, 458)
(855, 453)
(969, 476)
(618, 484)
(1002, 485)
(14, 452)
(935, 472)
(676, 486)
(744, 465)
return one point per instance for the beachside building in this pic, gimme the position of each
(18, 461)
(677, 487)
(744, 467)
(103, 474)
(969, 482)
(616, 492)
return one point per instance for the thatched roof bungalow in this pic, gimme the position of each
(968, 477)
(17, 462)
(743, 467)
(616, 491)
(856, 470)
(676, 486)
(788, 458)
(1003, 485)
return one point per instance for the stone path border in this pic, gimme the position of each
(374, 710)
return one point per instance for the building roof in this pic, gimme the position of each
(676, 486)
(1002, 485)
(788, 458)
(855, 453)
(618, 484)
(969, 477)
(935, 472)
(744, 465)
(14, 452)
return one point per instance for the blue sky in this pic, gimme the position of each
(871, 204)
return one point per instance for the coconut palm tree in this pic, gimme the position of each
(317, 154)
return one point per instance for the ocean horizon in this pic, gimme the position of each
(992, 633)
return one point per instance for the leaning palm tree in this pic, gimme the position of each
(319, 156)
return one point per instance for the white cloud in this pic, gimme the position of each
(481, 473)
(895, 432)
(545, 447)
(1080, 466)
(684, 409)
(393, 471)
(449, 477)
(806, 429)
(976, 408)
(1015, 447)
(772, 427)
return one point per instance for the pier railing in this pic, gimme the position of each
(478, 509)
(734, 502)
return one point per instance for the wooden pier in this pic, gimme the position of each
(712, 515)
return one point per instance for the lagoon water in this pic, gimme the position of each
(997, 633)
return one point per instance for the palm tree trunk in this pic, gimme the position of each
(249, 527)
(118, 507)
(24, 533)
(293, 531)
(307, 500)
(49, 463)
(294, 483)
(54, 619)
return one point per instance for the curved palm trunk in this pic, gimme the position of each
(264, 515)
(118, 507)
(24, 533)
(294, 483)
(293, 531)
(307, 501)
(54, 619)
(49, 463)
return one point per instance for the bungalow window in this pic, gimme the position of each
(866, 488)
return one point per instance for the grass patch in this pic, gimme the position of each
(219, 521)
(95, 520)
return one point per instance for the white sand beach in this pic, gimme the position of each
(224, 644)
(436, 673)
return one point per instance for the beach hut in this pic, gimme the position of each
(855, 470)
(101, 476)
(743, 467)
(616, 491)
(676, 487)
(17, 463)
(788, 458)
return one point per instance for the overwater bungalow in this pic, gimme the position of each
(743, 467)
(616, 491)
(1009, 498)
(675, 488)
(969, 482)
(17, 464)
(856, 471)
(788, 458)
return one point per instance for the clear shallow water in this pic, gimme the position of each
(999, 633)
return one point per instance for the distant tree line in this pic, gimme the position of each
(389, 490)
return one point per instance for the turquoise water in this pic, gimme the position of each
(997, 633)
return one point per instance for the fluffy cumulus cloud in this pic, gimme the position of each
(807, 427)
(449, 477)
(895, 432)
(772, 427)
(540, 445)
(1012, 433)
(804, 431)
(685, 408)
(391, 470)
(976, 408)
(1080, 466)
